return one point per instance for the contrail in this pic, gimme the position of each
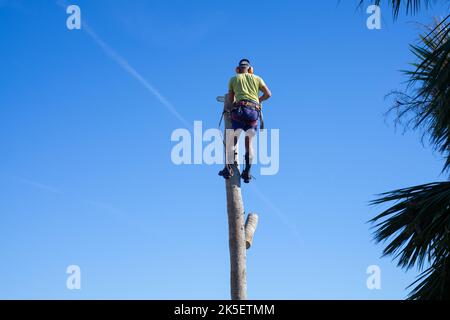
(129, 69)
(105, 207)
(39, 185)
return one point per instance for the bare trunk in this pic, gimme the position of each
(236, 227)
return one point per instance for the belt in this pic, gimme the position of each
(247, 103)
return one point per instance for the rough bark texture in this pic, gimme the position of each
(236, 228)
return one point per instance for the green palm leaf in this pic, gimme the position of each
(412, 6)
(418, 228)
(433, 283)
(425, 101)
(417, 225)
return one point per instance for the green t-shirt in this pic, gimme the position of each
(246, 86)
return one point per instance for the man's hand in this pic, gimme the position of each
(266, 94)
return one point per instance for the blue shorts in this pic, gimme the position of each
(244, 118)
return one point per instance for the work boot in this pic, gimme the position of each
(246, 176)
(227, 172)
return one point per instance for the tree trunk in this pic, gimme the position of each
(236, 226)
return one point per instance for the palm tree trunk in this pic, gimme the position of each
(236, 226)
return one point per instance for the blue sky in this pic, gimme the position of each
(86, 176)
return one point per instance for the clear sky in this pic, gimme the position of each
(85, 171)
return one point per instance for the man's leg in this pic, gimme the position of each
(246, 176)
(237, 134)
(231, 140)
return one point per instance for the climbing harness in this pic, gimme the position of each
(238, 107)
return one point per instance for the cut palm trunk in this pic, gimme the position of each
(236, 226)
(250, 227)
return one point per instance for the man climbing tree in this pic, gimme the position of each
(243, 91)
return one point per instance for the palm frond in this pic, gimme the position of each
(424, 104)
(412, 6)
(418, 228)
(419, 221)
(433, 283)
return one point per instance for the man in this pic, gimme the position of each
(243, 90)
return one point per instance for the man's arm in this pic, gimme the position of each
(230, 90)
(266, 93)
(231, 95)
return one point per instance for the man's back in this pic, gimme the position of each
(246, 86)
